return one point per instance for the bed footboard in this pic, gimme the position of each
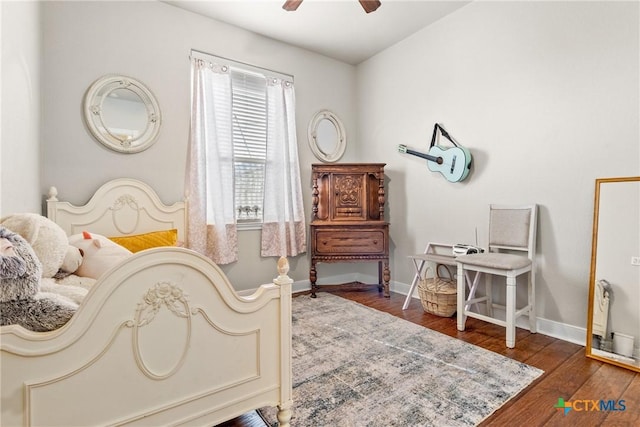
(161, 339)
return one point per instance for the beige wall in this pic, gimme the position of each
(151, 41)
(546, 97)
(20, 103)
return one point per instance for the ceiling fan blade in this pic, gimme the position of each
(369, 5)
(291, 5)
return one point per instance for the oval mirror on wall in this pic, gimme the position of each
(122, 113)
(327, 137)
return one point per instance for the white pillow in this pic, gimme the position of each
(99, 254)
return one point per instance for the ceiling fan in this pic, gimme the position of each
(368, 5)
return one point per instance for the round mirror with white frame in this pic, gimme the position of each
(122, 113)
(327, 137)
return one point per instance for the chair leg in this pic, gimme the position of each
(488, 285)
(461, 317)
(511, 311)
(533, 321)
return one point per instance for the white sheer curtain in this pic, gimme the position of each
(212, 229)
(283, 228)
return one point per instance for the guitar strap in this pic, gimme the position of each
(443, 132)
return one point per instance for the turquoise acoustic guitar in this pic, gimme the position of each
(453, 163)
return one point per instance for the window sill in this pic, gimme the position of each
(242, 226)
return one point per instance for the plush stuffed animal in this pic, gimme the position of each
(71, 262)
(99, 253)
(48, 240)
(11, 266)
(20, 277)
(21, 301)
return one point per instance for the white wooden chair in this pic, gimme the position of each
(512, 230)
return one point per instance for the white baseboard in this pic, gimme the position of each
(573, 334)
(562, 331)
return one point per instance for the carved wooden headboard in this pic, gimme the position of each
(120, 207)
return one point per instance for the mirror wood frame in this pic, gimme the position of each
(94, 100)
(592, 275)
(340, 144)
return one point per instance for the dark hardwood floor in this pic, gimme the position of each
(569, 374)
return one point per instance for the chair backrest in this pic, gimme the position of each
(513, 228)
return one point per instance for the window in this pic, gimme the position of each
(249, 124)
(243, 169)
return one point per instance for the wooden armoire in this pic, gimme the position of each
(347, 221)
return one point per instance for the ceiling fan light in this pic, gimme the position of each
(370, 5)
(291, 5)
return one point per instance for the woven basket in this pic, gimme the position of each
(438, 294)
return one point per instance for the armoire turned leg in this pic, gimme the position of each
(312, 278)
(386, 276)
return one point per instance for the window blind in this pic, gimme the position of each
(249, 120)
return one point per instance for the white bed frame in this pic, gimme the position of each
(161, 339)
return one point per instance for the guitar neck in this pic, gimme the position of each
(404, 149)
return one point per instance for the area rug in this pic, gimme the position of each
(357, 366)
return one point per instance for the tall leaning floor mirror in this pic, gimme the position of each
(613, 328)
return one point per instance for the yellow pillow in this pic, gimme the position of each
(154, 239)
